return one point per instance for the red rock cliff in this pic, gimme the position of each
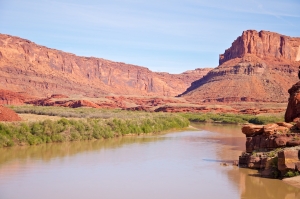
(41, 71)
(263, 44)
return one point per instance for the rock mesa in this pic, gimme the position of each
(258, 67)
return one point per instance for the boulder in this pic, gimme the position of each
(287, 160)
(251, 130)
(282, 130)
(280, 141)
(285, 124)
(292, 143)
(270, 129)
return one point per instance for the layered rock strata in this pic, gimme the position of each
(258, 67)
(41, 71)
(274, 149)
(263, 44)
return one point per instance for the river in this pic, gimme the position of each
(175, 165)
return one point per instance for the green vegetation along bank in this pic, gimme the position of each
(119, 123)
(88, 123)
(116, 113)
(232, 118)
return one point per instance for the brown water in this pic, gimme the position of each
(175, 165)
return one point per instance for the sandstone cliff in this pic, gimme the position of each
(263, 44)
(293, 109)
(259, 66)
(41, 71)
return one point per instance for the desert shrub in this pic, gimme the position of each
(75, 136)
(37, 129)
(291, 174)
(58, 138)
(98, 124)
(24, 128)
(34, 140)
(264, 119)
(5, 141)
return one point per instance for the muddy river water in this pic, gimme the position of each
(182, 164)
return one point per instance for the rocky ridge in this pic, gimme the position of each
(258, 67)
(149, 104)
(40, 71)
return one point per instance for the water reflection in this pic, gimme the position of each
(250, 184)
(175, 165)
(46, 152)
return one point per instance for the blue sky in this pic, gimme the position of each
(163, 35)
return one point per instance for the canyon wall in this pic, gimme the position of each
(40, 71)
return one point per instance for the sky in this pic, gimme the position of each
(163, 35)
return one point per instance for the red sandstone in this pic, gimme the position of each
(8, 115)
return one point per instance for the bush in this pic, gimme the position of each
(291, 174)
(47, 131)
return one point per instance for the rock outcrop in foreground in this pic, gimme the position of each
(41, 71)
(293, 109)
(274, 149)
(258, 67)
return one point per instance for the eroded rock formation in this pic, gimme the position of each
(258, 67)
(263, 44)
(41, 71)
(13, 98)
(293, 109)
(274, 149)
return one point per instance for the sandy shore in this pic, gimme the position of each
(294, 181)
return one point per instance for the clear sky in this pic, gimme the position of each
(162, 35)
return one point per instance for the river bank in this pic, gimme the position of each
(61, 124)
(66, 130)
